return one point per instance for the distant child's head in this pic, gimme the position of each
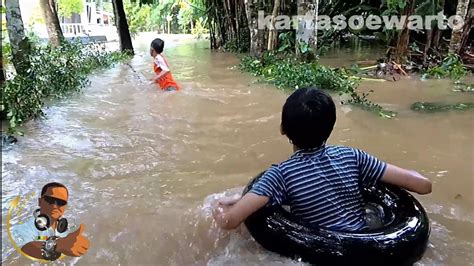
(308, 118)
(156, 47)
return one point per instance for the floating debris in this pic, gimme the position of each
(440, 107)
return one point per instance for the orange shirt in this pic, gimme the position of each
(160, 64)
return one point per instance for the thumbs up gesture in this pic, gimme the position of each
(74, 245)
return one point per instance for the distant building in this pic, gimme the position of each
(92, 23)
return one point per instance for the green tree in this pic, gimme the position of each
(67, 7)
(161, 11)
(138, 17)
(185, 16)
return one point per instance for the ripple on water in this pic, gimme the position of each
(444, 249)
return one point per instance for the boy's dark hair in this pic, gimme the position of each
(158, 45)
(52, 185)
(308, 117)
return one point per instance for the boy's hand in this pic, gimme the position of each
(228, 201)
(231, 213)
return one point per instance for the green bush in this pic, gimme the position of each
(451, 67)
(293, 74)
(54, 72)
(153, 17)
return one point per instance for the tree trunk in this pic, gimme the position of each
(237, 23)
(51, 19)
(403, 40)
(456, 36)
(429, 40)
(3, 114)
(316, 14)
(307, 32)
(2, 73)
(122, 27)
(19, 42)
(273, 33)
(437, 32)
(257, 36)
(468, 25)
(219, 29)
(229, 20)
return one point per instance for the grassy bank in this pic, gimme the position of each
(54, 73)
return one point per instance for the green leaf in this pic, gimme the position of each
(68, 7)
(12, 122)
(402, 4)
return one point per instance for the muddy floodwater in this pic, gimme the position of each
(143, 167)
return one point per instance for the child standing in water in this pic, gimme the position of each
(160, 66)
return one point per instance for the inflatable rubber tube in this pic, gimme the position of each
(401, 240)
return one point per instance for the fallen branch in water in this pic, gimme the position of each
(369, 67)
(367, 79)
(399, 67)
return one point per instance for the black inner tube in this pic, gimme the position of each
(400, 239)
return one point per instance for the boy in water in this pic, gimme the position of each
(321, 183)
(160, 66)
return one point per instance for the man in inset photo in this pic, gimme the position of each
(47, 234)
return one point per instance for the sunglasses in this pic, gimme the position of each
(56, 201)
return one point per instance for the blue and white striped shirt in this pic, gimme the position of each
(323, 186)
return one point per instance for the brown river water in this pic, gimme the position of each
(143, 167)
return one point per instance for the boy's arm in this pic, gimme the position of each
(231, 216)
(372, 170)
(410, 180)
(161, 63)
(157, 77)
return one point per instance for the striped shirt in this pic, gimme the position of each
(323, 186)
